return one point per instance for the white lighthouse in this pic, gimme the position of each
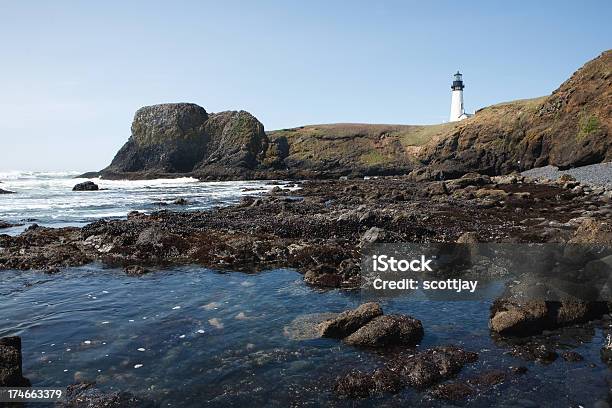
(457, 111)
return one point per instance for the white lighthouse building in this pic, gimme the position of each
(457, 111)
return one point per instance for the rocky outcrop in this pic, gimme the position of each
(420, 371)
(11, 372)
(182, 138)
(86, 186)
(366, 326)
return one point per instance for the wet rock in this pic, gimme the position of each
(431, 366)
(510, 316)
(86, 395)
(535, 351)
(11, 372)
(489, 378)
(518, 370)
(86, 186)
(135, 270)
(455, 391)
(468, 238)
(4, 224)
(349, 321)
(180, 201)
(572, 356)
(6, 191)
(386, 331)
(322, 279)
(355, 384)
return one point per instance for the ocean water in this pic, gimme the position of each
(192, 337)
(47, 198)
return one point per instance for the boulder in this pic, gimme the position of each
(6, 191)
(431, 366)
(184, 138)
(349, 321)
(388, 330)
(421, 370)
(510, 316)
(11, 372)
(86, 186)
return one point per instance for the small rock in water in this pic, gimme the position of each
(215, 323)
(211, 306)
(86, 186)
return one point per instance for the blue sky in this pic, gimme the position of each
(72, 74)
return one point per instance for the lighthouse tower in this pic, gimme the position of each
(457, 112)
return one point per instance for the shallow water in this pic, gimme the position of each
(193, 337)
(48, 199)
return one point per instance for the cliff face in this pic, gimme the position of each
(571, 127)
(182, 138)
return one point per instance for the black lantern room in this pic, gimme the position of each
(458, 82)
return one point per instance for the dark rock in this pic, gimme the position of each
(386, 331)
(572, 356)
(518, 370)
(6, 191)
(11, 372)
(86, 186)
(86, 395)
(349, 321)
(489, 378)
(431, 366)
(180, 201)
(510, 316)
(355, 384)
(183, 138)
(323, 280)
(455, 391)
(535, 351)
(4, 224)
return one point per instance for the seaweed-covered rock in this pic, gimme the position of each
(421, 370)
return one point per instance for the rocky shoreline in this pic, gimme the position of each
(320, 231)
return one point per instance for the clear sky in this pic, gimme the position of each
(72, 74)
